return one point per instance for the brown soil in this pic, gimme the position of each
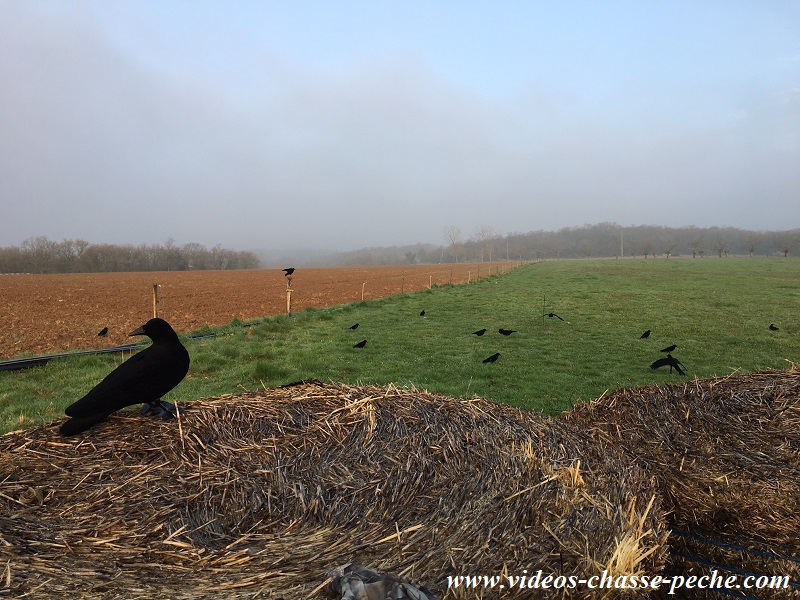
(57, 313)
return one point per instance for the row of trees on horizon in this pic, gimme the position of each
(604, 240)
(42, 255)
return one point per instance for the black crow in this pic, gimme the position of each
(502, 331)
(669, 348)
(645, 335)
(145, 377)
(551, 315)
(492, 358)
(670, 361)
(772, 327)
(360, 344)
(480, 332)
(422, 314)
(103, 332)
(288, 271)
(353, 326)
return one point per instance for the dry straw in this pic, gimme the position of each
(258, 495)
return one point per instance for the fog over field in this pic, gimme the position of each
(354, 124)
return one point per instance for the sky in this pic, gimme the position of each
(349, 124)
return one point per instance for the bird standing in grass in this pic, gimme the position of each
(645, 335)
(670, 361)
(360, 344)
(353, 327)
(772, 327)
(552, 315)
(669, 349)
(492, 358)
(502, 331)
(480, 332)
(422, 314)
(145, 377)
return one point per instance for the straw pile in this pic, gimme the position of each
(258, 495)
(725, 454)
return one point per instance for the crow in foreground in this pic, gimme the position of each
(145, 377)
(492, 358)
(551, 315)
(772, 327)
(360, 344)
(502, 331)
(422, 314)
(645, 335)
(670, 361)
(480, 332)
(103, 332)
(288, 271)
(669, 348)
(353, 327)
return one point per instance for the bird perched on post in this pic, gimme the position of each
(669, 349)
(145, 377)
(502, 331)
(670, 361)
(288, 271)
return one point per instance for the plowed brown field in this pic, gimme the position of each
(55, 313)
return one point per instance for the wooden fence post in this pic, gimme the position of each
(155, 300)
(363, 285)
(289, 296)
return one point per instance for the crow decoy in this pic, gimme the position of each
(502, 331)
(669, 348)
(551, 315)
(353, 327)
(492, 358)
(103, 332)
(360, 344)
(145, 377)
(480, 332)
(772, 327)
(288, 271)
(645, 335)
(670, 361)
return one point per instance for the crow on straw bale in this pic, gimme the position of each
(145, 377)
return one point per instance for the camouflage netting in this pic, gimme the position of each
(258, 495)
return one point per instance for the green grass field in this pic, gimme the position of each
(717, 311)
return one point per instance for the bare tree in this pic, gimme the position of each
(452, 236)
(485, 235)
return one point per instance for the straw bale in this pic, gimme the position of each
(258, 495)
(725, 454)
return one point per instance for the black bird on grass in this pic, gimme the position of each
(480, 332)
(353, 327)
(772, 327)
(103, 332)
(551, 315)
(145, 377)
(669, 349)
(492, 358)
(670, 361)
(288, 271)
(422, 314)
(502, 331)
(645, 335)
(360, 344)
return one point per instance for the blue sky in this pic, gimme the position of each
(351, 124)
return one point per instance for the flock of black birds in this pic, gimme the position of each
(148, 375)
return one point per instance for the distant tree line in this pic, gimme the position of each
(601, 240)
(41, 255)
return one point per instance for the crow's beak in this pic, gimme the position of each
(139, 331)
